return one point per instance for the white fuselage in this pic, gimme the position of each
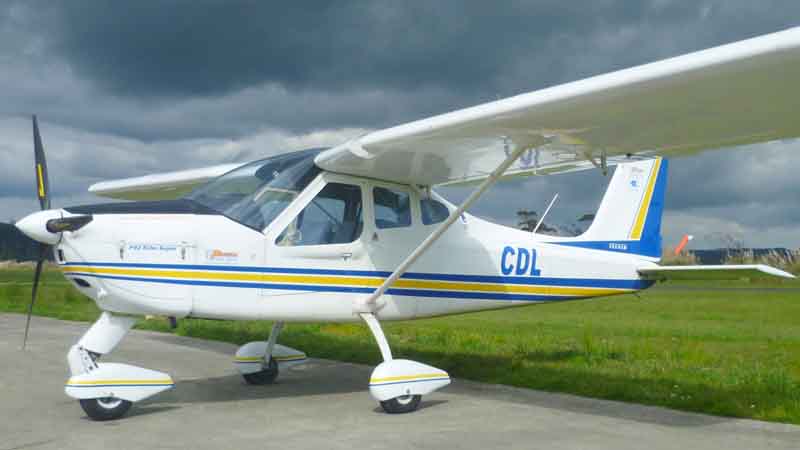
(210, 266)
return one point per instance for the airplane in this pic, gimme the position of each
(357, 232)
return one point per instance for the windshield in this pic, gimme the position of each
(256, 193)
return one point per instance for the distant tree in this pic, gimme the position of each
(16, 246)
(527, 219)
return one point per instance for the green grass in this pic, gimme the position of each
(733, 353)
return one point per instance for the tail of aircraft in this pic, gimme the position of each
(629, 221)
(629, 217)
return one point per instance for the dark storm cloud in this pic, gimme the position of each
(128, 88)
(210, 48)
(474, 50)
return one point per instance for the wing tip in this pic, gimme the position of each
(774, 271)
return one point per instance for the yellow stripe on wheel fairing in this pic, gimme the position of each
(117, 382)
(409, 377)
(249, 359)
(289, 358)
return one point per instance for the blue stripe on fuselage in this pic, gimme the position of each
(535, 281)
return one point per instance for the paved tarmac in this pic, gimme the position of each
(321, 405)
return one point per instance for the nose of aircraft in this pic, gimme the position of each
(35, 226)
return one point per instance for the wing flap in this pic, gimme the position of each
(159, 186)
(741, 93)
(717, 272)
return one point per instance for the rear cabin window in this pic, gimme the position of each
(392, 208)
(333, 217)
(433, 211)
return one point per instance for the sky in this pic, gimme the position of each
(129, 88)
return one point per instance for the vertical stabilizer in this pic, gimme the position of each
(629, 217)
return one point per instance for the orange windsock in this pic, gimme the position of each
(682, 244)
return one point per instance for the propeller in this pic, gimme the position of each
(43, 194)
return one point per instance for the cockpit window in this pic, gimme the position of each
(433, 211)
(392, 208)
(255, 194)
(334, 216)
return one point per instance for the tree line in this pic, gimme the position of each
(15, 246)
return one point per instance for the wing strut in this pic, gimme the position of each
(369, 305)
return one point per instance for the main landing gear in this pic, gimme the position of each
(260, 362)
(106, 391)
(399, 384)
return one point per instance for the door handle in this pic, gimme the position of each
(347, 256)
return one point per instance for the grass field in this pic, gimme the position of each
(691, 347)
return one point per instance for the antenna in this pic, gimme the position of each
(555, 197)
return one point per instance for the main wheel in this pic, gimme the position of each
(266, 376)
(107, 408)
(400, 405)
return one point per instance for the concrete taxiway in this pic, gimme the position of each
(322, 404)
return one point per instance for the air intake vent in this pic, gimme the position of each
(81, 282)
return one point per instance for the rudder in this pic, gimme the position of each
(629, 217)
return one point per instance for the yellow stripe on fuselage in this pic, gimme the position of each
(351, 281)
(638, 225)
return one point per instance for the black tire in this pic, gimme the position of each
(401, 405)
(108, 408)
(266, 376)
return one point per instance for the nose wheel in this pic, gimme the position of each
(107, 408)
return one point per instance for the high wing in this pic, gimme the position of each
(160, 186)
(741, 93)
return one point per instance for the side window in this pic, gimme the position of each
(433, 211)
(392, 208)
(334, 216)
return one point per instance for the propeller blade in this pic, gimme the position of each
(36, 277)
(42, 181)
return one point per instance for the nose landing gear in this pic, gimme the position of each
(106, 391)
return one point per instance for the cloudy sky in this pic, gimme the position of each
(125, 89)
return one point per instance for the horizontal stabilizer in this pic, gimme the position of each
(722, 272)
